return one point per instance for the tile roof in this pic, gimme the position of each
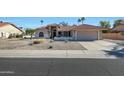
(80, 27)
(65, 28)
(2, 24)
(69, 28)
(87, 26)
(41, 29)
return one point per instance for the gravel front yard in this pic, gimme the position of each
(16, 44)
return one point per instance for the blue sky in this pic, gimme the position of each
(34, 22)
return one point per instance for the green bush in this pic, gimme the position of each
(105, 31)
(18, 36)
(10, 36)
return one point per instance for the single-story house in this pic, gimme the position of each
(7, 29)
(80, 32)
(119, 28)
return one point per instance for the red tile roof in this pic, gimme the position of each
(76, 28)
(80, 27)
(87, 26)
(65, 28)
(2, 24)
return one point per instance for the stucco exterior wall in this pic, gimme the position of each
(46, 35)
(5, 31)
(10, 29)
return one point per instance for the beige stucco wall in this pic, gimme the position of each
(9, 29)
(46, 35)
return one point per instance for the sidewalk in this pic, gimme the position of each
(54, 54)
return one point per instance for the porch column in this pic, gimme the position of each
(75, 35)
(56, 33)
(99, 35)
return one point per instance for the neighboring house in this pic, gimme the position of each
(116, 33)
(7, 29)
(119, 29)
(81, 32)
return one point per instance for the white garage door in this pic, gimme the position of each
(87, 35)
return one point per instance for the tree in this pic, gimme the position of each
(81, 20)
(41, 21)
(30, 32)
(118, 22)
(105, 24)
(63, 23)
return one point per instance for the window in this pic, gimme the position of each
(59, 34)
(67, 34)
(41, 34)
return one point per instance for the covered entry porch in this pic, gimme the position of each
(64, 35)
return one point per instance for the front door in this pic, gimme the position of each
(41, 34)
(54, 34)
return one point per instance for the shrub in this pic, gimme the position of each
(66, 41)
(38, 41)
(10, 36)
(51, 41)
(105, 31)
(50, 47)
(18, 36)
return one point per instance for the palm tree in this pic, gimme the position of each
(41, 21)
(118, 22)
(105, 24)
(81, 20)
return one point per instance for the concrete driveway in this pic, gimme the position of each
(105, 48)
(98, 45)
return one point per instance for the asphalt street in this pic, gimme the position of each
(61, 67)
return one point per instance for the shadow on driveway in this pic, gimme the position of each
(116, 52)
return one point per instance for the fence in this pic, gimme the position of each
(115, 36)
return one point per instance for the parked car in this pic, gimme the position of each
(28, 36)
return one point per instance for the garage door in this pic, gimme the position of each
(87, 35)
